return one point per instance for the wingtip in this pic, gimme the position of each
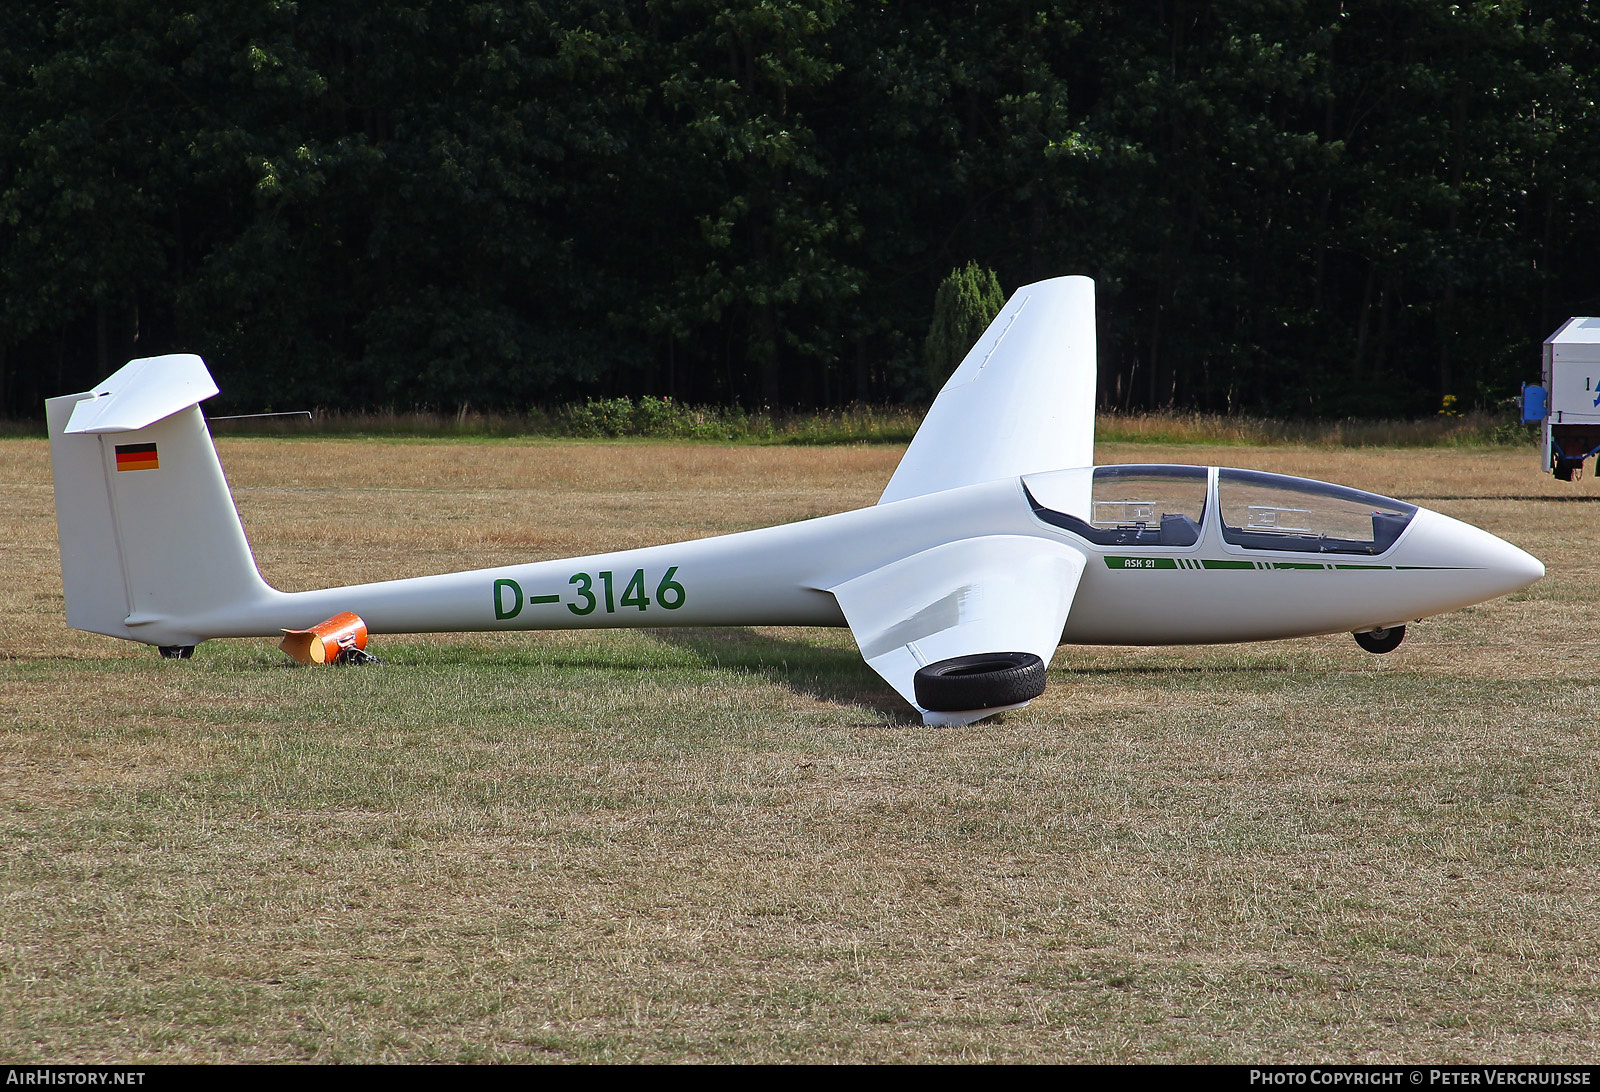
(935, 719)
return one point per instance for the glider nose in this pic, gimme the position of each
(1489, 564)
(1521, 567)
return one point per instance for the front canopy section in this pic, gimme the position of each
(1261, 511)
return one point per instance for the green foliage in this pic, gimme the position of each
(664, 417)
(1312, 209)
(966, 302)
(661, 417)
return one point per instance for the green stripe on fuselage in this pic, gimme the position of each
(1123, 562)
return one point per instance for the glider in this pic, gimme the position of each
(996, 540)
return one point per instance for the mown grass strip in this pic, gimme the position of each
(665, 418)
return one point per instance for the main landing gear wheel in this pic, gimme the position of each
(175, 652)
(1379, 641)
(979, 682)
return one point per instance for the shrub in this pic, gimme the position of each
(966, 302)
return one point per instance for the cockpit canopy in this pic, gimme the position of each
(1263, 511)
(1157, 505)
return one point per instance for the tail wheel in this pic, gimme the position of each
(175, 652)
(1379, 641)
(979, 682)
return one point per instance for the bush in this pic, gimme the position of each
(661, 417)
(966, 302)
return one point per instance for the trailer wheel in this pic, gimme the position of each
(1379, 641)
(984, 681)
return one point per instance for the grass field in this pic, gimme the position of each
(738, 845)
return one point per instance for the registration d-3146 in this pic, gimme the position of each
(593, 591)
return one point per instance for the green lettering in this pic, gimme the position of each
(501, 611)
(585, 583)
(633, 595)
(670, 593)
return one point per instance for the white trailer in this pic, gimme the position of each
(1568, 402)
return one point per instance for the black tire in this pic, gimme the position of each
(979, 682)
(175, 652)
(1379, 641)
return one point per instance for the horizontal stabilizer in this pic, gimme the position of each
(142, 392)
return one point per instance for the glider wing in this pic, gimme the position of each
(998, 593)
(1021, 401)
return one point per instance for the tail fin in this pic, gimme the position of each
(150, 538)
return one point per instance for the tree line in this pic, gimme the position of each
(1291, 207)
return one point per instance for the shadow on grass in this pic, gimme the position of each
(840, 675)
(827, 674)
(1111, 671)
(824, 672)
(1524, 497)
(837, 675)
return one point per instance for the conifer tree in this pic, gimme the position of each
(966, 302)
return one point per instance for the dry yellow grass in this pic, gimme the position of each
(734, 845)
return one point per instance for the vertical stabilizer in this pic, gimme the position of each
(150, 537)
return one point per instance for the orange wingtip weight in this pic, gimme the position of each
(326, 641)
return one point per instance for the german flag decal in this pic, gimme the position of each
(137, 457)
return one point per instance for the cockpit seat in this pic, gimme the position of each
(1178, 529)
(1386, 528)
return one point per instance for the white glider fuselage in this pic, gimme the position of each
(1204, 593)
(978, 560)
